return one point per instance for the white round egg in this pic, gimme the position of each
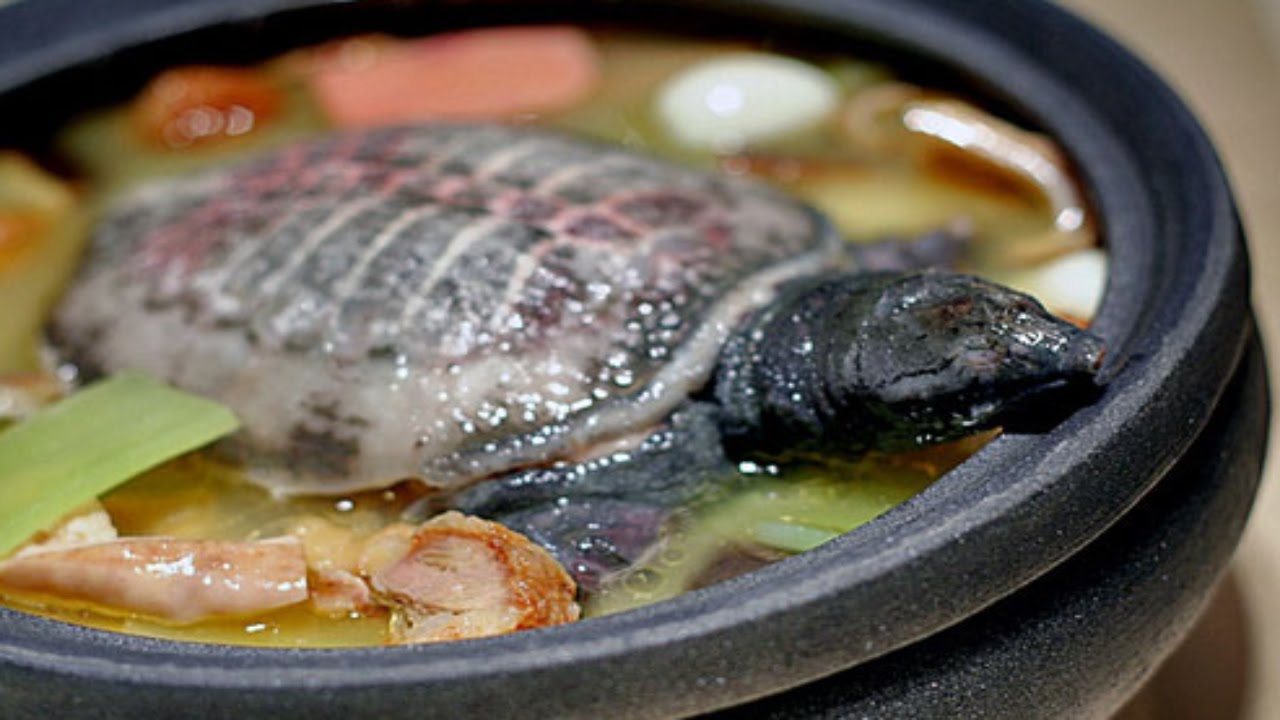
(737, 100)
(1071, 285)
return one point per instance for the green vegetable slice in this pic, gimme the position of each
(71, 452)
(790, 537)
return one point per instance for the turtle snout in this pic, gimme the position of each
(1055, 383)
(1075, 355)
(1087, 354)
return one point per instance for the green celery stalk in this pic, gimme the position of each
(73, 451)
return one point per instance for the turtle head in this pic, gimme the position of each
(949, 354)
(894, 361)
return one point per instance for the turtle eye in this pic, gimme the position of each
(1026, 306)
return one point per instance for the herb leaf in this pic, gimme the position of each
(73, 451)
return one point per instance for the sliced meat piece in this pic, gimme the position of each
(338, 593)
(168, 579)
(340, 561)
(464, 577)
(387, 546)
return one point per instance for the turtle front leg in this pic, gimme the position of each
(603, 516)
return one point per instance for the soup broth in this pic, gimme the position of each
(872, 179)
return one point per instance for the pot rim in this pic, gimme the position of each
(1175, 313)
(1110, 613)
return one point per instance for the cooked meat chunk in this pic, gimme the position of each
(464, 577)
(338, 593)
(167, 579)
(340, 561)
(88, 525)
(452, 577)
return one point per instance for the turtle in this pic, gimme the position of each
(546, 329)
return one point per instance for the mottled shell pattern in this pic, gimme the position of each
(444, 302)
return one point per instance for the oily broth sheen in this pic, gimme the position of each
(867, 197)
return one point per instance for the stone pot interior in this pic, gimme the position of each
(1175, 317)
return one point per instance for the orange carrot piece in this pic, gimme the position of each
(20, 232)
(197, 105)
(491, 74)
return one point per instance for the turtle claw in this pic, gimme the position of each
(603, 516)
(594, 539)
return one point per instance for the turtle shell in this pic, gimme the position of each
(443, 302)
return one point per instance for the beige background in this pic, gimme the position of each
(1224, 57)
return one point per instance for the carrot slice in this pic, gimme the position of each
(198, 105)
(490, 74)
(20, 232)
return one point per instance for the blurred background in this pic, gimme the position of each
(1223, 56)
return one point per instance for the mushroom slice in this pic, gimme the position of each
(1024, 154)
(896, 117)
(167, 579)
(464, 577)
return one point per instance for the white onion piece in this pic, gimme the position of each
(85, 526)
(1069, 285)
(737, 100)
(21, 394)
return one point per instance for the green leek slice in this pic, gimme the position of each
(790, 537)
(73, 451)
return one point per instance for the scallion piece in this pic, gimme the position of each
(73, 451)
(791, 537)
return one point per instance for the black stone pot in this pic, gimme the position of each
(1077, 641)
(881, 602)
